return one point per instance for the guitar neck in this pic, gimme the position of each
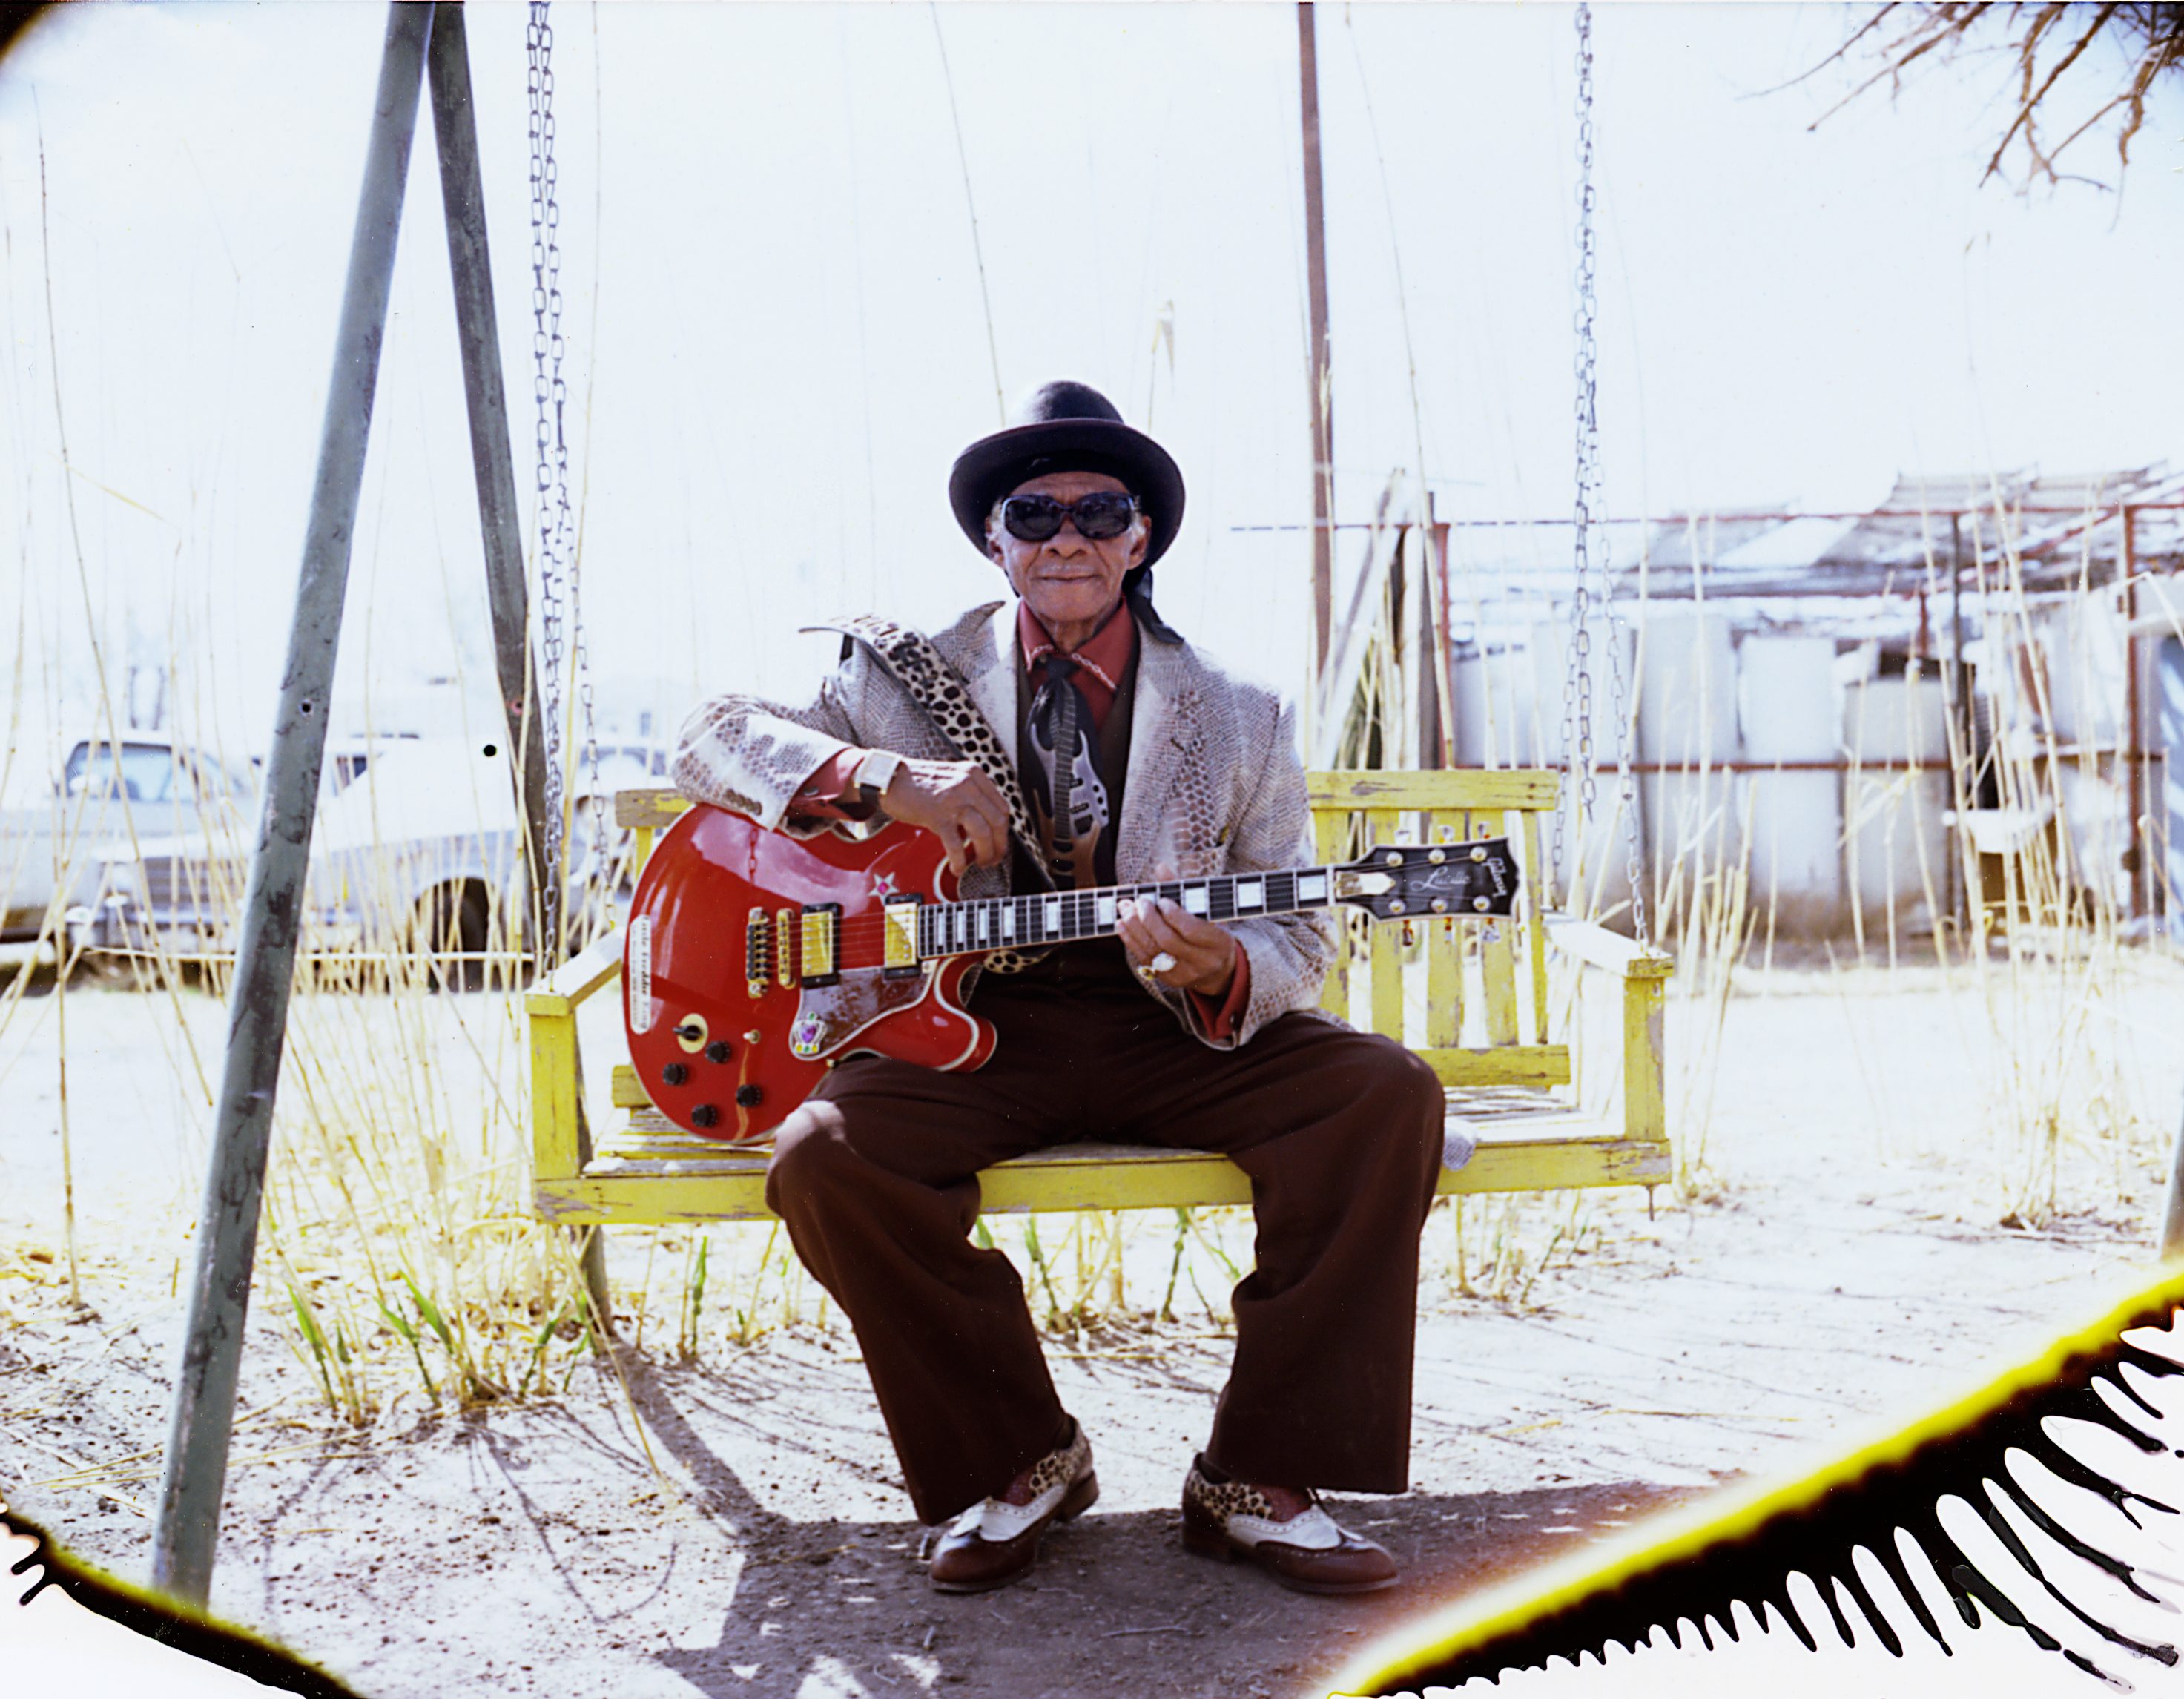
(1038, 918)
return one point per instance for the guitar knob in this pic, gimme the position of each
(704, 1115)
(674, 1073)
(749, 1096)
(717, 1051)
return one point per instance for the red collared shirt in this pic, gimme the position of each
(1101, 660)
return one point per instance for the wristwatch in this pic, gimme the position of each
(874, 774)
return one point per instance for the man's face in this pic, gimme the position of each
(1069, 580)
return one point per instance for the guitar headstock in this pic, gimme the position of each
(1429, 881)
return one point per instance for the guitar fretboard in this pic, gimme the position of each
(1044, 917)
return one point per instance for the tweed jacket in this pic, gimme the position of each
(1214, 784)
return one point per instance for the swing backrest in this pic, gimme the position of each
(1468, 995)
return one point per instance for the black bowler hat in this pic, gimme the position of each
(1067, 427)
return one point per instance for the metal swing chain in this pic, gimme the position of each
(1589, 540)
(555, 553)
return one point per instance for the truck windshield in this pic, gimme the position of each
(146, 772)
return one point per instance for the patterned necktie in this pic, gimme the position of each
(1061, 724)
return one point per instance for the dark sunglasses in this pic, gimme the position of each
(1102, 514)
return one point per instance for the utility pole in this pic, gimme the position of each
(1321, 394)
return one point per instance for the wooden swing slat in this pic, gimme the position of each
(1085, 1177)
(1535, 931)
(1444, 985)
(1476, 789)
(1385, 946)
(1330, 831)
(1539, 1066)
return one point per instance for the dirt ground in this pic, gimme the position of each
(735, 1526)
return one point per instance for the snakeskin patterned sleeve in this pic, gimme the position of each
(1272, 830)
(744, 753)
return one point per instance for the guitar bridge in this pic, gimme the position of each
(758, 949)
(784, 948)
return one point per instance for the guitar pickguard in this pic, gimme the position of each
(828, 1017)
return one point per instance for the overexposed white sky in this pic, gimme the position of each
(777, 343)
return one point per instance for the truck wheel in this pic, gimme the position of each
(453, 920)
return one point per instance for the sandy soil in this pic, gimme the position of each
(735, 1527)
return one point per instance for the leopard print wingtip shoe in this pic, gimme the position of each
(997, 1540)
(1284, 1531)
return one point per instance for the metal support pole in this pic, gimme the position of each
(196, 1469)
(478, 329)
(1958, 704)
(462, 196)
(1321, 355)
(2138, 794)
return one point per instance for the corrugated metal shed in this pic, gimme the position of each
(2061, 530)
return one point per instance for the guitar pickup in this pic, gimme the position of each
(758, 950)
(899, 922)
(821, 924)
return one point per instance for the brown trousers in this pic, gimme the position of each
(1340, 1132)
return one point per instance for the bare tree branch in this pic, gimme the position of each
(2028, 100)
(2152, 32)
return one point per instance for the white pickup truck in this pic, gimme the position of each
(147, 787)
(416, 846)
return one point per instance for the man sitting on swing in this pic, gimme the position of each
(1139, 759)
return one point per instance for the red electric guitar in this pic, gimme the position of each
(754, 961)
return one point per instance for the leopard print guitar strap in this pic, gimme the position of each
(936, 686)
(914, 663)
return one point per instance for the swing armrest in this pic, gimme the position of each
(1594, 944)
(577, 977)
(1643, 973)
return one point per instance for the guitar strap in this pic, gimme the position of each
(923, 671)
(914, 663)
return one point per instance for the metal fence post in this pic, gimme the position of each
(195, 1476)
